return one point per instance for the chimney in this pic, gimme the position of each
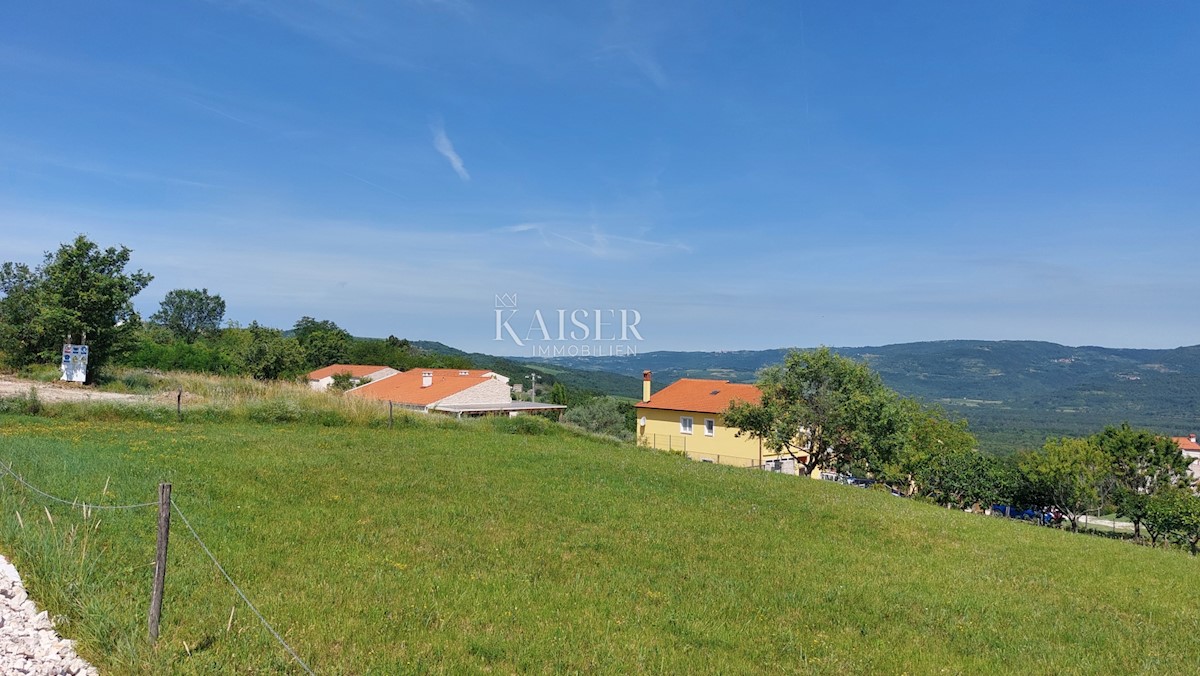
(645, 386)
(426, 378)
(1192, 437)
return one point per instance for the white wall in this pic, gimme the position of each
(487, 392)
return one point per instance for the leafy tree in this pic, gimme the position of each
(928, 434)
(822, 409)
(264, 353)
(80, 291)
(307, 326)
(158, 349)
(966, 478)
(1133, 506)
(1189, 521)
(602, 415)
(558, 394)
(345, 381)
(1143, 464)
(1166, 512)
(21, 336)
(190, 313)
(940, 461)
(323, 342)
(1069, 474)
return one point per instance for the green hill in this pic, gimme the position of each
(511, 545)
(1014, 393)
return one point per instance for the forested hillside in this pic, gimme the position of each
(1014, 393)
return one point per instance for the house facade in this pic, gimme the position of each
(688, 416)
(1191, 450)
(322, 378)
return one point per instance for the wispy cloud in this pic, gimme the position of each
(217, 111)
(442, 144)
(630, 40)
(19, 156)
(595, 240)
(642, 60)
(363, 30)
(373, 184)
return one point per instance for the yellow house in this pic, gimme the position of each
(688, 416)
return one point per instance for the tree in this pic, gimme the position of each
(345, 381)
(190, 313)
(1189, 521)
(263, 353)
(79, 291)
(602, 415)
(822, 409)
(1143, 464)
(1166, 513)
(928, 437)
(323, 342)
(965, 479)
(559, 395)
(1069, 474)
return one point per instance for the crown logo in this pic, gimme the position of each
(506, 301)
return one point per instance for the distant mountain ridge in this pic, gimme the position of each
(1014, 393)
(582, 380)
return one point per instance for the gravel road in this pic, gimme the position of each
(59, 391)
(28, 642)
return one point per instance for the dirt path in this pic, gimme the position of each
(59, 391)
(1096, 522)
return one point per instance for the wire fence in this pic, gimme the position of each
(88, 506)
(239, 589)
(74, 503)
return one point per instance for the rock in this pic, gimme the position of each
(28, 642)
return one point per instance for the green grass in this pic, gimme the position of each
(501, 546)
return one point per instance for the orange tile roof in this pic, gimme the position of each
(701, 396)
(405, 388)
(355, 370)
(1187, 444)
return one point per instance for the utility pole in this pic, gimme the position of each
(532, 386)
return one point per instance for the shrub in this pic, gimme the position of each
(26, 404)
(602, 415)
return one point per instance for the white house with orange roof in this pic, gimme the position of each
(322, 378)
(688, 416)
(1190, 449)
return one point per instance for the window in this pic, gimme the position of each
(710, 427)
(685, 424)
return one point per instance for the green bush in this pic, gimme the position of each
(26, 404)
(602, 415)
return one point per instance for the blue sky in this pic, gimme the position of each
(744, 175)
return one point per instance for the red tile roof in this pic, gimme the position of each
(1187, 444)
(405, 388)
(355, 371)
(701, 396)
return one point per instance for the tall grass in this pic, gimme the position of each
(211, 398)
(513, 545)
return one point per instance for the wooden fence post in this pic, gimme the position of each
(179, 404)
(389, 414)
(160, 560)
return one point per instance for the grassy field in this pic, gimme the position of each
(515, 546)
